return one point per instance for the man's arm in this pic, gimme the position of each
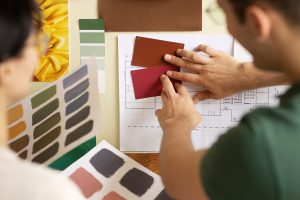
(179, 162)
(220, 74)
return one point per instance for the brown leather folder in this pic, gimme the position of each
(151, 15)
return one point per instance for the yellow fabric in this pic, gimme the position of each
(56, 25)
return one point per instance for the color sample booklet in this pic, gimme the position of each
(58, 118)
(106, 173)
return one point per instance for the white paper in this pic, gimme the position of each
(112, 183)
(93, 102)
(139, 128)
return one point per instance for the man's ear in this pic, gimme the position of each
(6, 73)
(259, 22)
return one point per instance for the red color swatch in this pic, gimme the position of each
(147, 83)
(150, 52)
(87, 183)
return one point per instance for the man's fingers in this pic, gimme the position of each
(185, 77)
(201, 96)
(208, 50)
(182, 62)
(181, 89)
(193, 56)
(167, 86)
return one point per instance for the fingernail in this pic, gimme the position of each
(162, 77)
(169, 73)
(168, 57)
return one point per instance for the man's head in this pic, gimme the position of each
(264, 27)
(19, 26)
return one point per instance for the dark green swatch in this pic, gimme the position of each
(91, 24)
(77, 104)
(77, 90)
(79, 132)
(45, 112)
(78, 117)
(46, 125)
(47, 154)
(42, 97)
(46, 140)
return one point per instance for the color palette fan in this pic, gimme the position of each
(106, 173)
(51, 122)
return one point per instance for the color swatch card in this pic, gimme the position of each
(92, 44)
(149, 15)
(147, 83)
(51, 122)
(107, 174)
(150, 52)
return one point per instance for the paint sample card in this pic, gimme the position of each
(150, 52)
(92, 44)
(107, 174)
(147, 83)
(145, 15)
(58, 118)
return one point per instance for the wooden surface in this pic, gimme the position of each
(149, 160)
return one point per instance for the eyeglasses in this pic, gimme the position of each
(216, 13)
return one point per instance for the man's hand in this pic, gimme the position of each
(178, 111)
(219, 73)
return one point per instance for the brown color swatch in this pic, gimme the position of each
(23, 155)
(19, 144)
(151, 15)
(150, 52)
(113, 196)
(15, 114)
(16, 130)
(87, 183)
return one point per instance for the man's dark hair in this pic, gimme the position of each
(290, 9)
(18, 19)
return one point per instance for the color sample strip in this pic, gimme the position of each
(42, 97)
(20, 143)
(77, 104)
(77, 90)
(47, 154)
(106, 162)
(87, 183)
(78, 117)
(46, 140)
(14, 114)
(16, 130)
(92, 43)
(45, 111)
(163, 196)
(46, 125)
(113, 196)
(137, 181)
(150, 52)
(79, 132)
(75, 76)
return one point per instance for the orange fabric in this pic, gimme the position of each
(56, 25)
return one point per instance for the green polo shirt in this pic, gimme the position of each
(260, 158)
